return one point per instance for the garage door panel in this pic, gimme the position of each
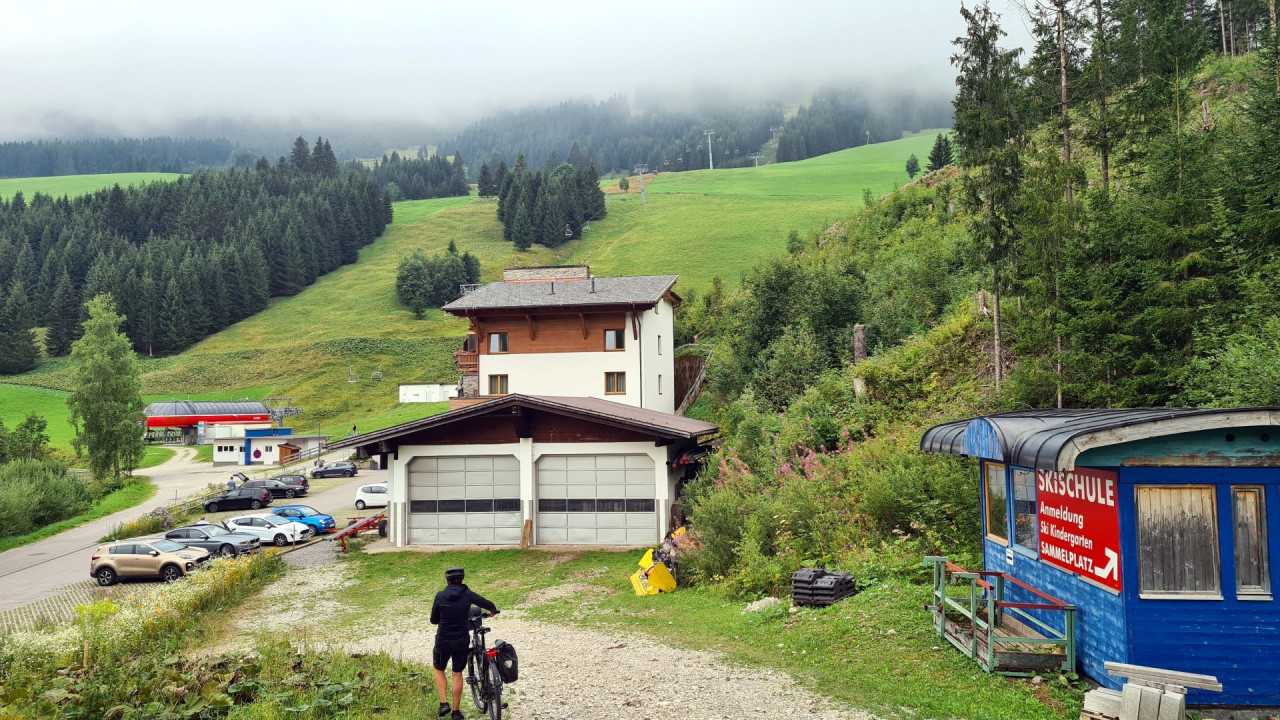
(455, 479)
(553, 477)
(611, 462)
(480, 535)
(479, 463)
(451, 492)
(423, 521)
(508, 536)
(552, 462)
(424, 537)
(582, 520)
(479, 491)
(582, 477)
(640, 476)
(419, 492)
(451, 464)
(581, 462)
(640, 462)
(423, 464)
(641, 537)
(553, 536)
(618, 477)
(510, 492)
(479, 520)
(453, 536)
(453, 520)
(611, 491)
(508, 520)
(640, 491)
(553, 520)
(506, 477)
(506, 463)
(582, 536)
(611, 536)
(639, 520)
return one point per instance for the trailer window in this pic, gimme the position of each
(1024, 509)
(1249, 516)
(1178, 542)
(997, 503)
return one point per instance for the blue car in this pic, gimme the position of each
(307, 515)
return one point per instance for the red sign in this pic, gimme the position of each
(1080, 523)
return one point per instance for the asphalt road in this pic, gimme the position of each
(40, 570)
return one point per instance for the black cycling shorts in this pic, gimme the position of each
(446, 649)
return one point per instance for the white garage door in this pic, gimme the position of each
(596, 500)
(465, 500)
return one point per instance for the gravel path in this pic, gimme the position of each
(566, 672)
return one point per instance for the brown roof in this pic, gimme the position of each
(658, 424)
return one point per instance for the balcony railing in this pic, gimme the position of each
(468, 362)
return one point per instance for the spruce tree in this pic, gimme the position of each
(940, 155)
(174, 322)
(300, 157)
(106, 404)
(913, 166)
(989, 130)
(18, 350)
(522, 232)
(64, 317)
(484, 186)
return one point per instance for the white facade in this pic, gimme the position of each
(648, 363)
(542, 471)
(230, 430)
(262, 450)
(427, 392)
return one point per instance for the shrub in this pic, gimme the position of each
(35, 493)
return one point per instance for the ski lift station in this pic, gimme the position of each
(241, 433)
(1136, 536)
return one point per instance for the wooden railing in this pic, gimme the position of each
(468, 362)
(980, 626)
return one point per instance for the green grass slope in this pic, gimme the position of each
(699, 224)
(73, 185)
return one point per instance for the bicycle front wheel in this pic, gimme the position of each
(495, 691)
(474, 680)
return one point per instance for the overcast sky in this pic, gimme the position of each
(139, 64)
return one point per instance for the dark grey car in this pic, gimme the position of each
(217, 540)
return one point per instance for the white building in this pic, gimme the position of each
(563, 432)
(427, 392)
(266, 446)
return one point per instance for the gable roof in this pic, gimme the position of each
(644, 290)
(1053, 439)
(651, 422)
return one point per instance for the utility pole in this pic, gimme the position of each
(711, 161)
(756, 157)
(641, 170)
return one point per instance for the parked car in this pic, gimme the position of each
(371, 496)
(342, 468)
(159, 558)
(271, 528)
(276, 488)
(307, 515)
(294, 479)
(239, 499)
(215, 538)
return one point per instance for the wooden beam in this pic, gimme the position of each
(533, 333)
(523, 425)
(582, 318)
(527, 535)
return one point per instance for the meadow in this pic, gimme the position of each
(699, 224)
(73, 185)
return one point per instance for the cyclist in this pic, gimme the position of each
(449, 613)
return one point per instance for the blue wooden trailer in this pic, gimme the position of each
(1153, 525)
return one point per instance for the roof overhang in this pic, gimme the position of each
(661, 426)
(1054, 439)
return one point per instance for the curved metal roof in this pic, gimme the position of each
(1052, 439)
(176, 408)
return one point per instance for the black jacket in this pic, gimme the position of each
(451, 610)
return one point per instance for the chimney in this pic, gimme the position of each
(553, 287)
(593, 284)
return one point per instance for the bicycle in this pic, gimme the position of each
(486, 690)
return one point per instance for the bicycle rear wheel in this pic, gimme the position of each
(478, 695)
(495, 691)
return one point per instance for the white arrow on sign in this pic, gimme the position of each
(1112, 568)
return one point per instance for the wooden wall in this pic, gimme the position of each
(552, 333)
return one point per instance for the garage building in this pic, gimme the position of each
(573, 470)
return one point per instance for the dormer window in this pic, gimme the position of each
(615, 340)
(497, 342)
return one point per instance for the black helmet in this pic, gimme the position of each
(454, 574)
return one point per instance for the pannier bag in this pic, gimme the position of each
(508, 663)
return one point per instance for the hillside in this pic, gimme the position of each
(73, 185)
(699, 224)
